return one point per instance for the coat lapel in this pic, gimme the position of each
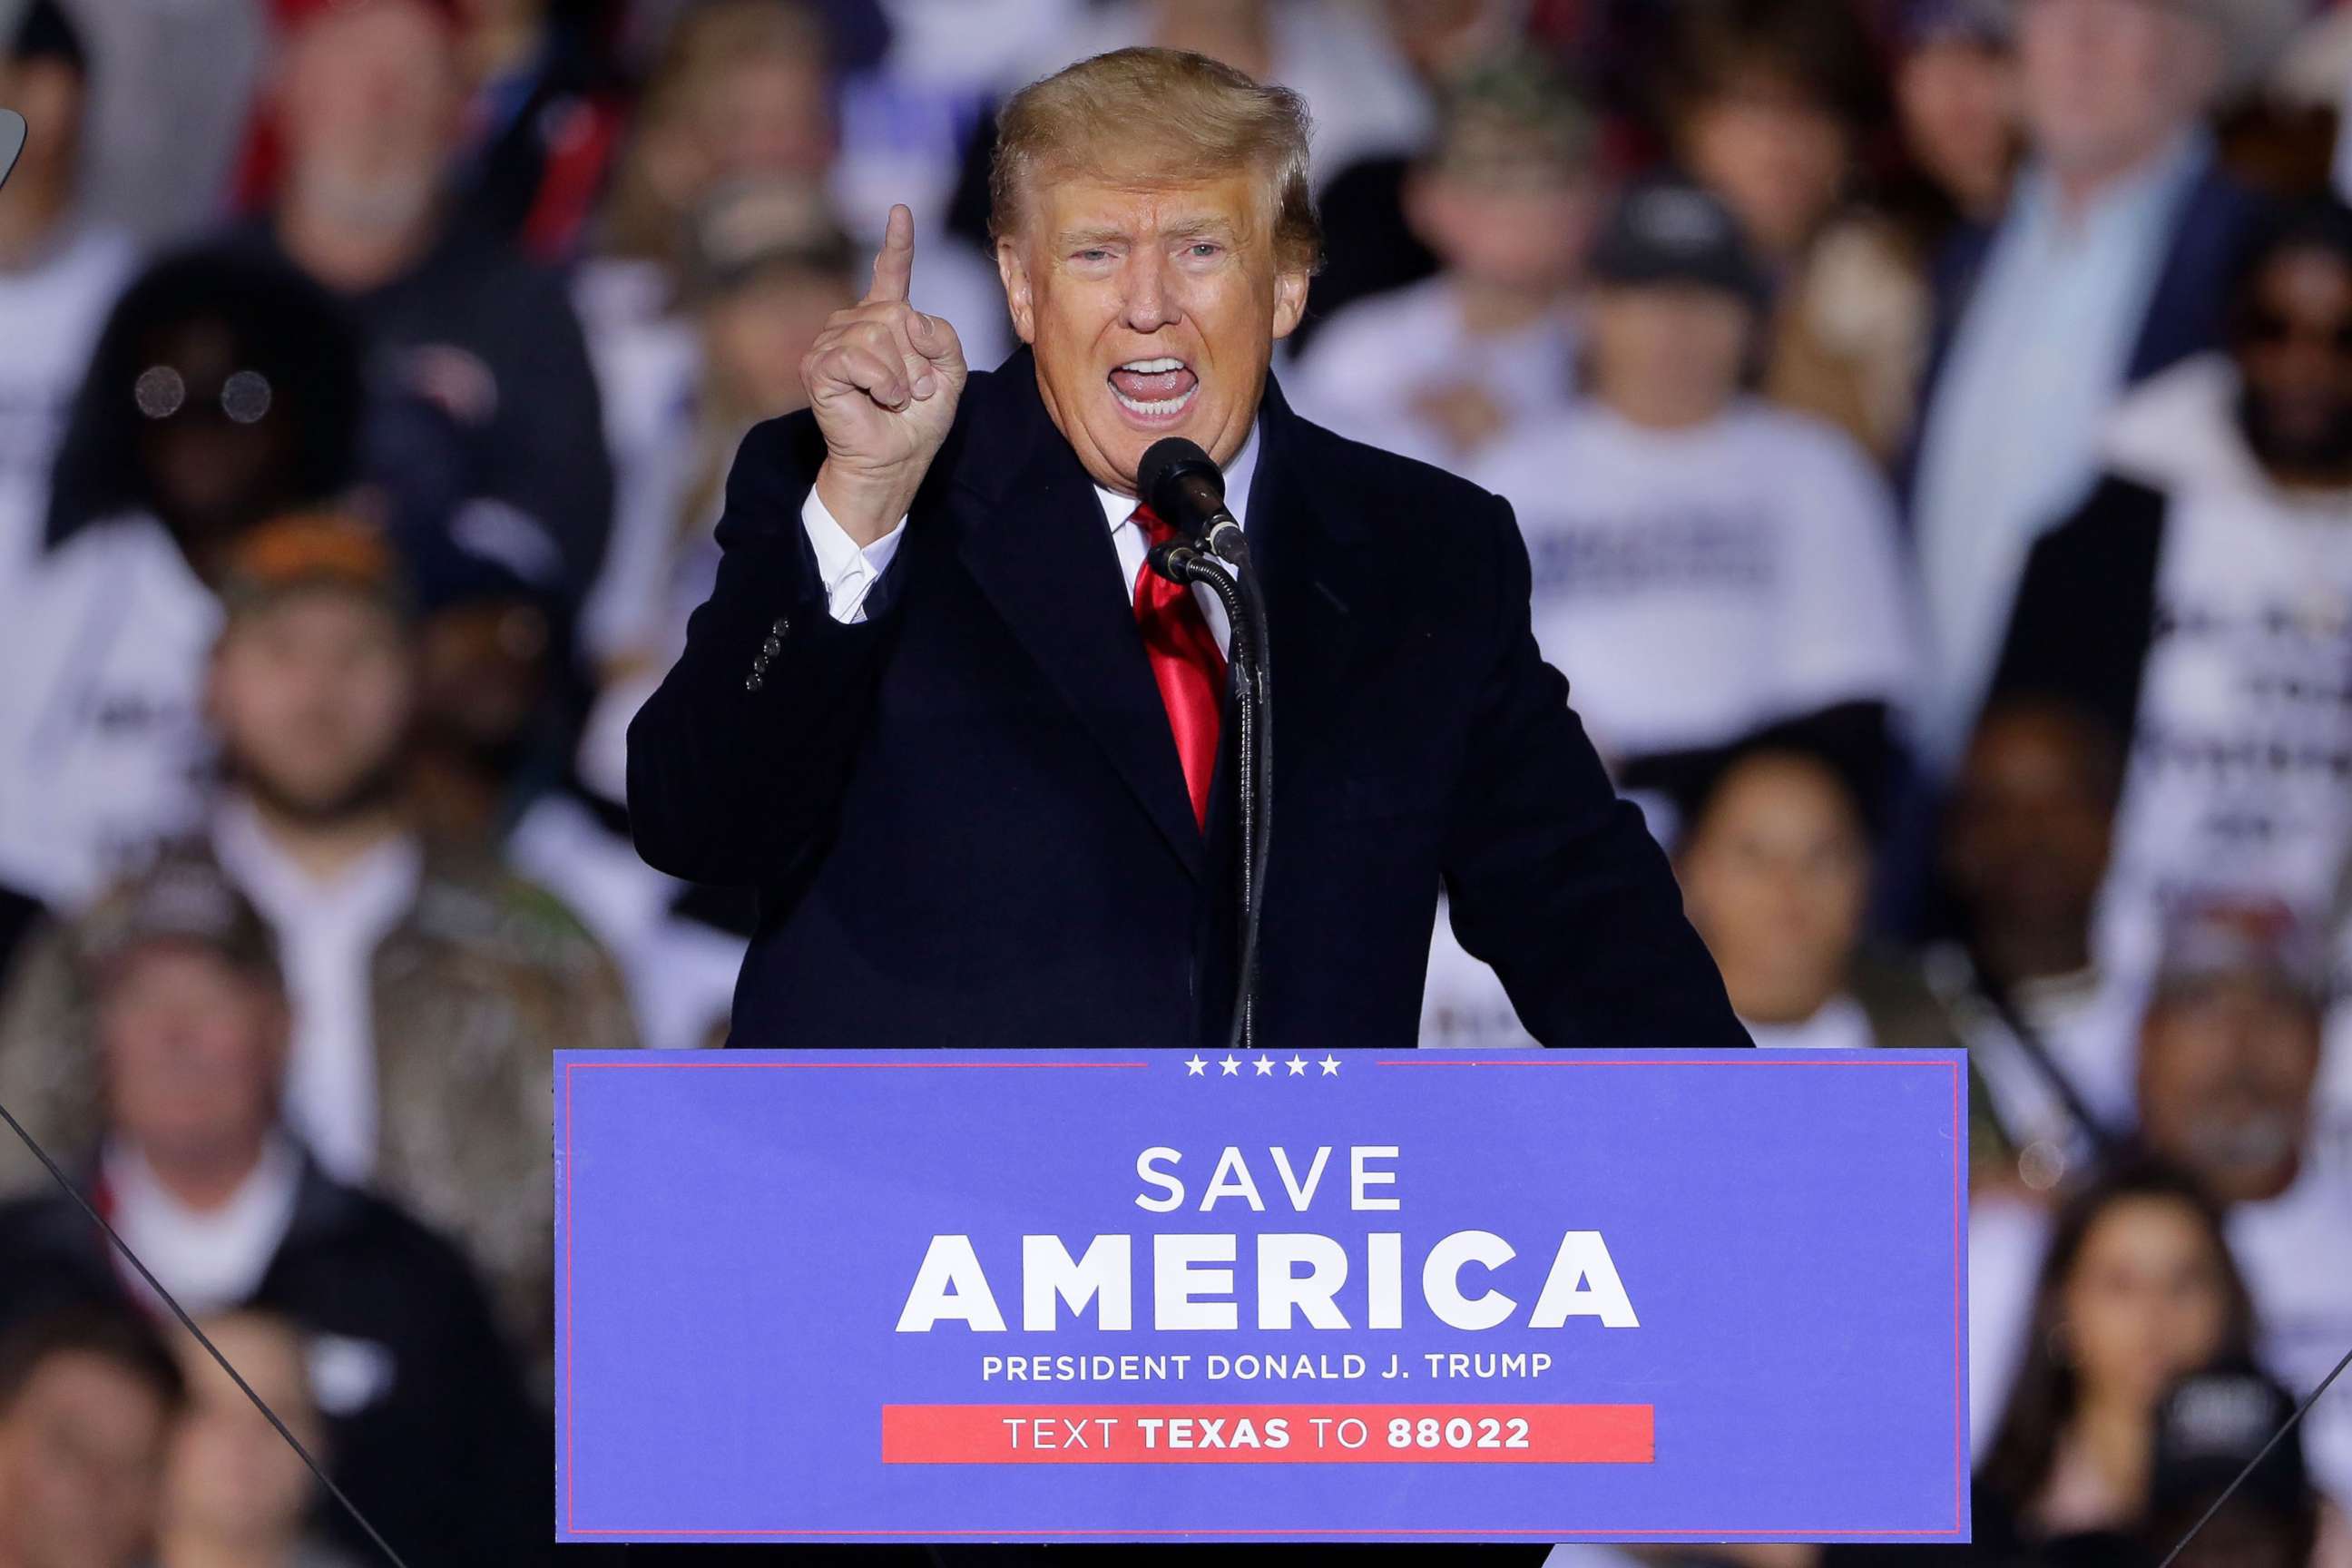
(1031, 534)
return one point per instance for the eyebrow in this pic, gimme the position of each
(1205, 227)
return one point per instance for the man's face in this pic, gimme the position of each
(2294, 354)
(1526, 225)
(1668, 354)
(2226, 1070)
(1153, 313)
(2103, 83)
(49, 94)
(369, 102)
(79, 1450)
(2030, 823)
(313, 694)
(192, 1048)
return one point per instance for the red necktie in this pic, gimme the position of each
(1186, 664)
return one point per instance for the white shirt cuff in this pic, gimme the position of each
(847, 572)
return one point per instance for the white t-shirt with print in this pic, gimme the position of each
(1695, 585)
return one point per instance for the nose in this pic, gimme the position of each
(1148, 303)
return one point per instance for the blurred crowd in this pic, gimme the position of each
(1930, 422)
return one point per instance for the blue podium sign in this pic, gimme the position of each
(1078, 1295)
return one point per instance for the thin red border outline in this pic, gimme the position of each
(1959, 1408)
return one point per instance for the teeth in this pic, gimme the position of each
(1154, 410)
(1152, 367)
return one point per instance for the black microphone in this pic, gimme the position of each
(1176, 480)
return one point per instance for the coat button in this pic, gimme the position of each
(752, 682)
(783, 624)
(771, 648)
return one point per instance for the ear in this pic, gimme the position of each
(1018, 302)
(1289, 302)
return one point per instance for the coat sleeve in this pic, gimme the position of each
(738, 761)
(1552, 879)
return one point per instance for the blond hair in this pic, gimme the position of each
(1208, 121)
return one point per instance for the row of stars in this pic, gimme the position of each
(1230, 1066)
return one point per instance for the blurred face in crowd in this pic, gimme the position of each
(1668, 355)
(215, 440)
(1522, 226)
(312, 692)
(2147, 1301)
(80, 1445)
(1153, 311)
(49, 94)
(1776, 157)
(2105, 84)
(2227, 1065)
(2026, 837)
(229, 1479)
(369, 101)
(486, 671)
(1956, 98)
(755, 335)
(1774, 874)
(192, 1047)
(2294, 357)
(767, 114)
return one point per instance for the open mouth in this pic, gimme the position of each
(1154, 391)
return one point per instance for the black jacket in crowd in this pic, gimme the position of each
(966, 819)
(449, 1460)
(2085, 610)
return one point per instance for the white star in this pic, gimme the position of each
(1330, 1065)
(1297, 1066)
(1232, 1067)
(1196, 1067)
(1265, 1066)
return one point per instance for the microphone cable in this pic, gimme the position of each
(211, 1350)
(2251, 1465)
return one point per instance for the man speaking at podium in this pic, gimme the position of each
(976, 756)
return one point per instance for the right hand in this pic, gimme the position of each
(883, 379)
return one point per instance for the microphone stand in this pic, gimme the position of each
(1182, 561)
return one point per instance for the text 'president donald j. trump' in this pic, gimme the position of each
(972, 752)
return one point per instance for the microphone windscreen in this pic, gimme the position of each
(1166, 462)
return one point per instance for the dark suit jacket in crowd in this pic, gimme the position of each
(444, 1453)
(966, 819)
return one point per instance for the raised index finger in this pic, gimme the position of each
(894, 264)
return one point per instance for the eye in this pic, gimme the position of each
(1094, 253)
(1206, 247)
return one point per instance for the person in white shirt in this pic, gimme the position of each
(225, 389)
(2229, 1058)
(1703, 564)
(59, 272)
(1508, 198)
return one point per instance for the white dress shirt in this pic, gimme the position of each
(209, 1260)
(849, 573)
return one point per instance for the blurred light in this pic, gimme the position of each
(160, 392)
(2041, 1165)
(244, 396)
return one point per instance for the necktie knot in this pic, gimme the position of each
(1155, 532)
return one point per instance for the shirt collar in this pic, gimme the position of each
(1117, 508)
